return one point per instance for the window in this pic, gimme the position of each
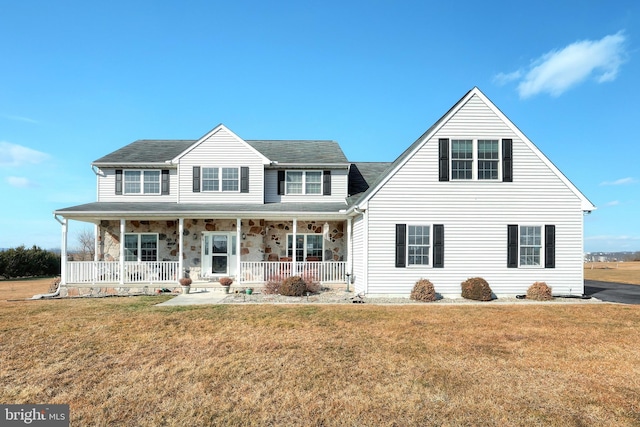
(307, 245)
(475, 159)
(229, 179)
(303, 182)
(141, 247)
(530, 245)
(525, 245)
(461, 159)
(220, 179)
(418, 244)
(210, 179)
(142, 182)
(487, 159)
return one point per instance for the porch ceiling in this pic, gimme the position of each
(110, 210)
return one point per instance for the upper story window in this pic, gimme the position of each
(303, 182)
(475, 160)
(212, 179)
(141, 182)
(220, 179)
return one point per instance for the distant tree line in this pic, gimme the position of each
(22, 262)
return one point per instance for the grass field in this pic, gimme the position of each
(126, 362)
(623, 272)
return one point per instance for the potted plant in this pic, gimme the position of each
(226, 283)
(185, 282)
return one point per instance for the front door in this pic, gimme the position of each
(219, 254)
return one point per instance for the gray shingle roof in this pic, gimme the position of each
(161, 150)
(315, 152)
(201, 209)
(147, 151)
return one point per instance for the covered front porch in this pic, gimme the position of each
(157, 252)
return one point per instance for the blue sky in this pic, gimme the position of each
(80, 79)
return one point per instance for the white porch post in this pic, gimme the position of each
(63, 253)
(122, 230)
(294, 265)
(180, 247)
(349, 256)
(238, 250)
(96, 242)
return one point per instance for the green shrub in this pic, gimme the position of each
(539, 291)
(476, 288)
(293, 286)
(423, 291)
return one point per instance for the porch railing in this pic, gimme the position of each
(134, 272)
(91, 272)
(322, 271)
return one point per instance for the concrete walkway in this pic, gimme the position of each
(197, 297)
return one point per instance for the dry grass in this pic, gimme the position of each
(126, 362)
(22, 289)
(623, 272)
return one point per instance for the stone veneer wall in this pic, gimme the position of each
(264, 240)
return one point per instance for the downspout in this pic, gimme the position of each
(349, 252)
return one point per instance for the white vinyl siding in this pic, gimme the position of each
(226, 152)
(338, 189)
(107, 183)
(475, 215)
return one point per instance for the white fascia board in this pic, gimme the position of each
(212, 132)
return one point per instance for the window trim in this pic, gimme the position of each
(141, 182)
(540, 247)
(139, 246)
(429, 246)
(220, 179)
(304, 192)
(475, 166)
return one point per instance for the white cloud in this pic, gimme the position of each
(20, 182)
(557, 71)
(19, 119)
(612, 203)
(17, 155)
(621, 181)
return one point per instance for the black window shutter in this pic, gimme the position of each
(507, 160)
(443, 151)
(165, 181)
(326, 183)
(196, 179)
(401, 245)
(438, 246)
(118, 181)
(280, 182)
(549, 246)
(244, 179)
(512, 246)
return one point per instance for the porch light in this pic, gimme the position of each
(244, 236)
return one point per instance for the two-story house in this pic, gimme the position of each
(471, 197)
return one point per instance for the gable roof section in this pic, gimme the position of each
(300, 152)
(419, 143)
(145, 151)
(211, 133)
